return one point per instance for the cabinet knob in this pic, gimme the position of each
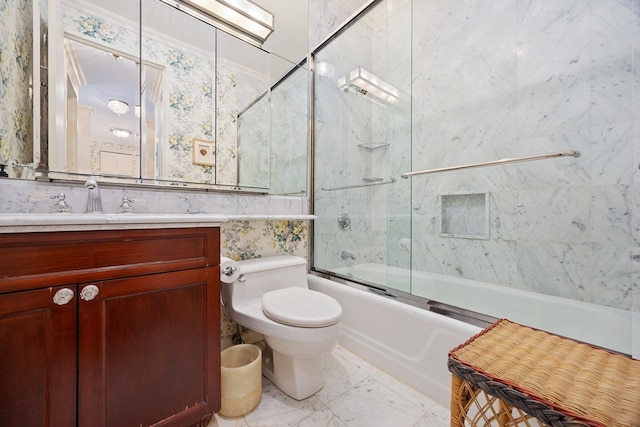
(89, 292)
(63, 296)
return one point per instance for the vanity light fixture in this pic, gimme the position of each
(363, 82)
(241, 16)
(121, 133)
(117, 106)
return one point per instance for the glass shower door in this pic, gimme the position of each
(362, 135)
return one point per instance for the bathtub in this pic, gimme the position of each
(409, 343)
(595, 324)
(412, 343)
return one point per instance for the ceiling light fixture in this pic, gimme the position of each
(241, 16)
(363, 82)
(117, 106)
(121, 133)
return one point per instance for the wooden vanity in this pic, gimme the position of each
(116, 328)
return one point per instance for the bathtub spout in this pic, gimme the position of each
(347, 255)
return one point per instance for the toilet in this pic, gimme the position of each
(300, 326)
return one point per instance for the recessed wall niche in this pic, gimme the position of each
(465, 216)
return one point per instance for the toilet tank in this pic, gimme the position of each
(263, 275)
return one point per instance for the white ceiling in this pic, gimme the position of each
(290, 38)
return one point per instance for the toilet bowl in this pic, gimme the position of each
(300, 326)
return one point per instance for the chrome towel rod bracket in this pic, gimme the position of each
(570, 153)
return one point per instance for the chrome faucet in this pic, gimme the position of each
(347, 255)
(94, 203)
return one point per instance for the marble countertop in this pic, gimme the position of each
(35, 222)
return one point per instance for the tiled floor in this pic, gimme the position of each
(355, 394)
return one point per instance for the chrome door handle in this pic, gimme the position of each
(89, 292)
(63, 296)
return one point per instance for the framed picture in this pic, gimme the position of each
(204, 152)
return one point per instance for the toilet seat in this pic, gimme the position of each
(301, 307)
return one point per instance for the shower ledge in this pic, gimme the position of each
(37, 222)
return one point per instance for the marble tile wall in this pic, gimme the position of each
(519, 79)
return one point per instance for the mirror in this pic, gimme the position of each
(141, 92)
(243, 78)
(284, 122)
(106, 138)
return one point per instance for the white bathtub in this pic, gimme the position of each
(409, 343)
(595, 324)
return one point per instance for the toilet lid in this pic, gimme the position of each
(301, 307)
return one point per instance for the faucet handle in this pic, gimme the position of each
(126, 207)
(61, 206)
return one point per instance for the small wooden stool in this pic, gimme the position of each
(515, 375)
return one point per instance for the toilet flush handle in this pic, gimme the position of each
(229, 270)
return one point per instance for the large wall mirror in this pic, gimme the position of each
(145, 92)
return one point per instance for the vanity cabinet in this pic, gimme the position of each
(110, 328)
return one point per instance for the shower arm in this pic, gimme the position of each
(495, 162)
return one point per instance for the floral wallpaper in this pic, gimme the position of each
(193, 81)
(15, 71)
(256, 239)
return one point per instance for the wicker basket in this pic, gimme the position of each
(514, 375)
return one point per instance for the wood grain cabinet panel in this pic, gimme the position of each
(138, 343)
(37, 359)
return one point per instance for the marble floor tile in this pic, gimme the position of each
(356, 393)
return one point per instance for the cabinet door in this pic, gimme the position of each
(149, 350)
(38, 358)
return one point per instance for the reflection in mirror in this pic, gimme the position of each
(253, 155)
(281, 116)
(242, 79)
(185, 84)
(102, 110)
(94, 75)
(178, 146)
(289, 132)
